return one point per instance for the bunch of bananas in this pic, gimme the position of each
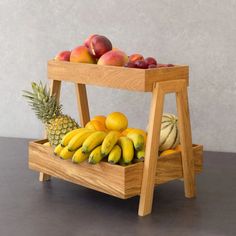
(86, 144)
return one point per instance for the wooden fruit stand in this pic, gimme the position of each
(137, 179)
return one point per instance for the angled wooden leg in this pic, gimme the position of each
(44, 177)
(55, 89)
(186, 142)
(149, 171)
(82, 102)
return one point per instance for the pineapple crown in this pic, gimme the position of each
(42, 102)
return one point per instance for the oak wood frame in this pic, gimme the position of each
(159, 82)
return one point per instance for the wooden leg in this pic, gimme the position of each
(44, 177)
(54, 89)
(186, 142)
(82, 104)
(149, 171)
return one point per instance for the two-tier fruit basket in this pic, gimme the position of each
(137, 179)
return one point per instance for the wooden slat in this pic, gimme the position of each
(103, 177)
(172, 86)
(166, 74)
(114, 76)
(170, 167)
(151, 153)
(55, 89)
(119, 181)
(82, 103)
(186, 142)
(107, 76)
(133, 179)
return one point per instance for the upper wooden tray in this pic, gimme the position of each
(114, 76)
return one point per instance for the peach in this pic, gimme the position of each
(63, 56)
(136, 57)
(113, 58)
(81, 54)
(99, 45)
(87, 41)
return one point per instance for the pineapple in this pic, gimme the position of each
(50, 113)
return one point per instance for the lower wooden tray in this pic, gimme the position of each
(122, 182)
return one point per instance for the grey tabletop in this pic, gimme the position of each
(31, 208)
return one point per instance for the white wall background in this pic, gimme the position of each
(195, 32)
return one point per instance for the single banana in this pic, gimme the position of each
(79, 156)
(95, 156)
(66, 139)
(127, 149)
(114, 155)
(109, 142)
(66, 154)
(140, 155)
(137, 140)
(94, 140)
(58, 149)
(77, 141)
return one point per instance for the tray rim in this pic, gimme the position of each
(116, 77)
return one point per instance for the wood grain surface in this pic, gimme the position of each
(114, 76)
(82, 104)
(122, 182)
(186, 142)
(151, 152)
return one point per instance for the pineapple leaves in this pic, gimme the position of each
(42, 103)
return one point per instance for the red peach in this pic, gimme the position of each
(135, 57)
(99, 45)
(81, 54)
(63, 56)
(88, 40)
(113, 58)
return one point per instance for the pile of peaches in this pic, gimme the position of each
(98, 49)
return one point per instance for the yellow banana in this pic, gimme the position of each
(78, 139)
(66, 154)
(127, 149)
(137, 140)
(95, 156)
(94, 140)
(66, 139)
(109, 142)
(58, 149)
(79, 156)
(140, 155)
(114, 155)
